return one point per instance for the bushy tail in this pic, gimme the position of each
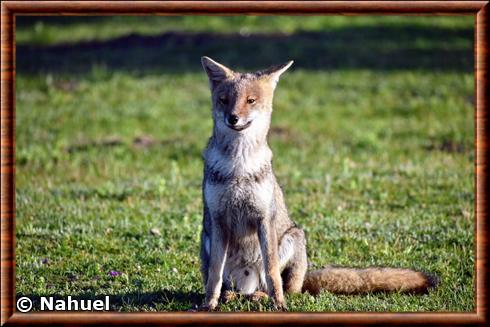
(357, 281)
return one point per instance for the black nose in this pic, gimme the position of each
(233, 119)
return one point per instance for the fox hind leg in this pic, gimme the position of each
(294, 263)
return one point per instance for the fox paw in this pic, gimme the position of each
(209, 306)
(229, 296)
(257, 296)
(280, 305)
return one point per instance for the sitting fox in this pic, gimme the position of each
(249, 244)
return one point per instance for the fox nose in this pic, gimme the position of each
(233, 119)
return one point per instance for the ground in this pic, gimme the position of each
(372, 135)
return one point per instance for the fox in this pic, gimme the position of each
(249, 244)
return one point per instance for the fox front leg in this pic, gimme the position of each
(217, 258)
(268, 247)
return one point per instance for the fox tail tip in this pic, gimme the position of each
(432, 280)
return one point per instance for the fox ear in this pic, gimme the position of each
(216, 71)
(273, 73)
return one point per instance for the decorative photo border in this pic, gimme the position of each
(11, 9)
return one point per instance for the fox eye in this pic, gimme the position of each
(223, 100)
(250, 101)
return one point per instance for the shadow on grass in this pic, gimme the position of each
(175, 300)
(373, 47)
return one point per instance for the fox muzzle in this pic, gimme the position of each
(233, 122)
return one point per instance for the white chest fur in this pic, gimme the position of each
(236, 189)
(243, 160)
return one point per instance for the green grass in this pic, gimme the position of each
(376, 164)
(53, 30)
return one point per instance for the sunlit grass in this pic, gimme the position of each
(376, 166)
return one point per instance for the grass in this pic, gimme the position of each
(374, 153)
(52, 30)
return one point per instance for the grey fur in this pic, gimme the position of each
(243, 202)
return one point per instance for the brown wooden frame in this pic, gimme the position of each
(9, 9)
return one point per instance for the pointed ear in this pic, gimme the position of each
(216, 71)
(273, 73)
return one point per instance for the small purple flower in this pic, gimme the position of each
(45, 261)
(114, 273)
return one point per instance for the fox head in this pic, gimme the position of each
(242, 102)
